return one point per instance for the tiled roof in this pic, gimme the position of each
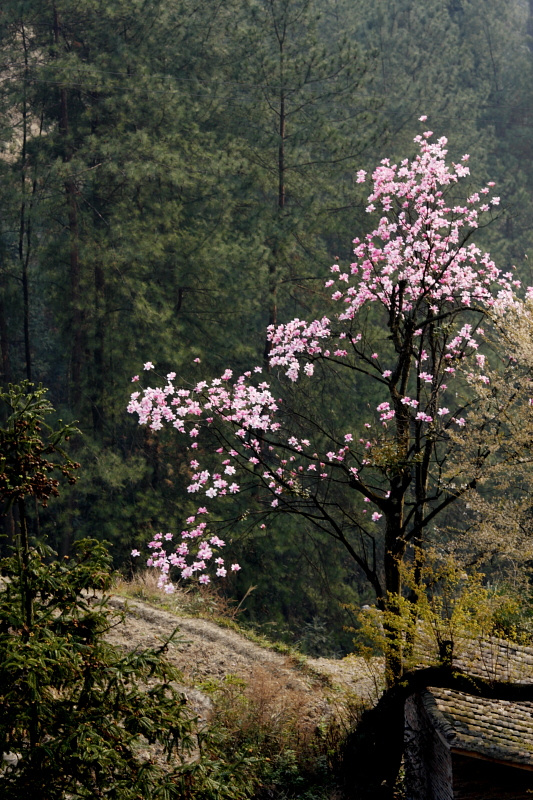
(491, 658)
(496, 729)
(496, 659)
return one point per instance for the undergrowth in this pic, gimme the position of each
(276, 726)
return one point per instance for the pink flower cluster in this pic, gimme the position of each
(294, 339)
(420, 239)
(164, 561)
(241, 403)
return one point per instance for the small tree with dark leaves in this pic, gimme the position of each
(79, 719)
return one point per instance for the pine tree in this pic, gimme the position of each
(292, 110)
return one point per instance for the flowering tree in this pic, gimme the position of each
(415, 313)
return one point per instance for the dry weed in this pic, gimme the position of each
(205, 602)
(296, 731)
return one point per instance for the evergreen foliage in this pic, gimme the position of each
(79, 719)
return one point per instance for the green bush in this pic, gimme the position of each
(79, 719)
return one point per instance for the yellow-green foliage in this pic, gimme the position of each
(444, 607)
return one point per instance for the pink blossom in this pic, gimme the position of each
(215, 541)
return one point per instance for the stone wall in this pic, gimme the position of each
(428, 759)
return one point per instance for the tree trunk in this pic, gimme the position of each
(76, 332)
(394, 553)
(273, 266)
(4, 346)
(98, 381)
(24, 223)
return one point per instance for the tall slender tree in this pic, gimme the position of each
(300, 134)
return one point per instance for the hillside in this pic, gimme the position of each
(207, 653)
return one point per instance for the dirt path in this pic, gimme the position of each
(204, 651)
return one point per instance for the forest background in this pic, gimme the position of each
(175, 176)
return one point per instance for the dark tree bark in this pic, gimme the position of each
(71, 193)
(4, 346)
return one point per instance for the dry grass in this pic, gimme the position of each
(292, 731)
(204, 602)
(200, 602)
(287, 713)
